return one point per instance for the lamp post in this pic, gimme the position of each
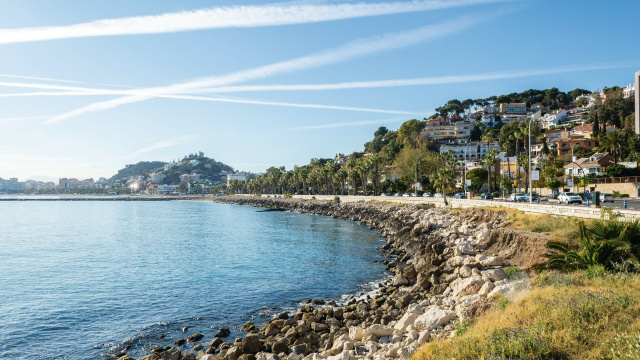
(573, 168)
(465, 170)
(530, 190)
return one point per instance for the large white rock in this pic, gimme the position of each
(465, 271)
(466, 286)
(341, 344)
(465, 248)
(345, 355)
(494, 274)
(488, 260)
(356, 333)
(432, 318)
(406, 320)
(378, 331)
(486, 288)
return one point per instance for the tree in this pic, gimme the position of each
(611, 143)
(596, 126)
(478, 178)
(409, 132)
(444, 181)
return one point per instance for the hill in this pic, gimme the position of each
(208, 169)
(143, 168)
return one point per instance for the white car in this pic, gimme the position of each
(569, 198)
(606, 198)
(518, 197)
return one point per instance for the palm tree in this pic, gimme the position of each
(611, 143)
(342, 175)
(444, 180)
(374, 161)
(600, 243)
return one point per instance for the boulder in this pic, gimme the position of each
(356, 333)
(248, 326)
(494, 274)
(432, 318)
(345, 355)
(223, 332)
(271, 329)
(488, 260)
(423, 337)
(406, 320)
(195, 337)
(251, 344)
(466, 286)
(486, 288)
(378, 331)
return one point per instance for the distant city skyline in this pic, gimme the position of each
(87, 88)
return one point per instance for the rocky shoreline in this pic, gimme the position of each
(443, 274)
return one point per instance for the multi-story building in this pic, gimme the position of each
(629, 91)
(564, 146)
(553, 119)
(240, 176)
(488, 119)
(440, 129)
(514, 109)
(190, 177)
(594, 164)
(11, 186)
(469, 151)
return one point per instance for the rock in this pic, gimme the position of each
(466, 286)
(248, 326)
(271, 329)
(279, 347)
(207, 357)
(283, 315)
(407, 320)
(433, 317)
(488, 260)
(486, 288)
(317, 327)
(215, 342)
(423, 337)
(300, 349)
(195, 337)
(356, 333)
(494, 274)
(465, 272)
(173, 354)
(378, 331)
(251, 344)
(223, 332)
(345, 355)
(180, 342)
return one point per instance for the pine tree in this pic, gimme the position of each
(596, 127)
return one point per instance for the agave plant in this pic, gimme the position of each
(601, 243)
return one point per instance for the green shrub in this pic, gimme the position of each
(462, 327)
(618, 195)
(541, 228)
(512, 271)
(336, 198)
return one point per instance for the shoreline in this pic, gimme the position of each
(440, 276)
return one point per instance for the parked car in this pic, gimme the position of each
(398, 194)
(384, 194)
(486, 196)
(438, 195)
(427, 194)
(569, 198)
(407, 195)
(459, 196)
(606, 198)
(534, 197)
(518, 197)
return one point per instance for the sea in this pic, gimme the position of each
(88, 279)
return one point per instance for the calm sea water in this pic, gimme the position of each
(80, 279)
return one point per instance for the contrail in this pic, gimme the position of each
(346, 52)
(227, 17)
(162, 145)
(439, 80)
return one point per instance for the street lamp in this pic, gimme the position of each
(465, 169)
(530, 190)
(573, 168)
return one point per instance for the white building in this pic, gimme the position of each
(629, 91)
(552, 119)
(167, 189)
(470, 151)
(488, 119)
(240, 176)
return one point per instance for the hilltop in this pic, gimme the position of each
(195, 165)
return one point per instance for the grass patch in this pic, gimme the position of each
(563, 316)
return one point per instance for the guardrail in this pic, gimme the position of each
(616, 180)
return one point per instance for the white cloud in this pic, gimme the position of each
(347, 52)
(23, 118)
(162, 145)
(227, 17)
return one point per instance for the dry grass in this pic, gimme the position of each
(561, 317)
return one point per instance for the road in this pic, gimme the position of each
(632, 204)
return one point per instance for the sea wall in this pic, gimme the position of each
(441, 275)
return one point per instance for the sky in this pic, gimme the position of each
(87, 87)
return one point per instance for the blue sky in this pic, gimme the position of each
(202, 76)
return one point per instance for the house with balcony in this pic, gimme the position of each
(564, 146)
(592, 165)
(470, 151)
(440, 129)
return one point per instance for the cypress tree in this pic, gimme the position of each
(596, 126)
